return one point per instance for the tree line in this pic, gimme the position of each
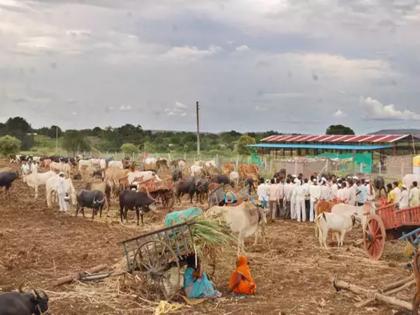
(17, 134)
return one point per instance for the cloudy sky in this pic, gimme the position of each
(287, 65)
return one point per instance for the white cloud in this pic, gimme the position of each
(79, 33)
(190, 52)
(339, 114)
(179, 109)
(242, 48)
(375, 110)
(125, 108)
(261, 108)
(180, 105)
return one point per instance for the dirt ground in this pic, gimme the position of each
(293, 275)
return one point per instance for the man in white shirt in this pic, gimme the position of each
(325, 190)
(414, 195)
(287, 198)
(315, 195)
(272, 199)
(334, 190)
(280, 197)
(397, 192)
(404, 199)
(300, 202)
(293, 214)
(352, 193)
(370, 190)
(262, 192)
(307, 197)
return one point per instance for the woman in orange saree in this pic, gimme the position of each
(241, 281)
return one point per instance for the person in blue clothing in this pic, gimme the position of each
(196, 283)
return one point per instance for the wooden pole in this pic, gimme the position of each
(197, 109)
(339, 284)
(391, 288)
(78, 275)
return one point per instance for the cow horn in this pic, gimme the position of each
(35, 293)
(155, 211)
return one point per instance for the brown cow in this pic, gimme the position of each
(228, 168)
(248, 170)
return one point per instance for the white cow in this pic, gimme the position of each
(243, 219)
(141, 176)
(196, 170)
(99, 163)
(35, 179)
(116, 164)
(360, 213)
(61, 167)
(51, 188)
(83, 164)
(338, 223)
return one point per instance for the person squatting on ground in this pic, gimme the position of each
(196, 283)
(241, 281)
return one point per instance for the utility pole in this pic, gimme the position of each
(197, 108)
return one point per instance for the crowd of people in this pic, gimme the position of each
(295, 197)
(405, 197)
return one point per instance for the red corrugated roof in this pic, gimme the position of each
(335, 138)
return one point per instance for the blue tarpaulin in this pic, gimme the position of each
(182, 216)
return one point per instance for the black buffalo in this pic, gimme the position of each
(27, 303)
(139, 201)
(202, 188)
(185, 186)
(379, 184)
(6, 180)
(176, 174)
(222, 179)
(93, 199)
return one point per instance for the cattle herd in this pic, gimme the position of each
(151, 184)
(140, 186)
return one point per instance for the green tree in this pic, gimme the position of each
(19, 128)
(243, 141)
(339, 130)
(74, 142)
(9, 145)
(129, 148)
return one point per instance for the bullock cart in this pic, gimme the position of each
(158, 256)
(389, 222)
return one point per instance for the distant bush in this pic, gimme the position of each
(129, 149)
(9, 145)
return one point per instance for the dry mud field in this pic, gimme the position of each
(293, 275)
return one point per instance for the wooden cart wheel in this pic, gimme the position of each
(374, 237)
(153, 259)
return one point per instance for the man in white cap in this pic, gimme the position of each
(404, 199)
(315, 195)
(61, 192)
